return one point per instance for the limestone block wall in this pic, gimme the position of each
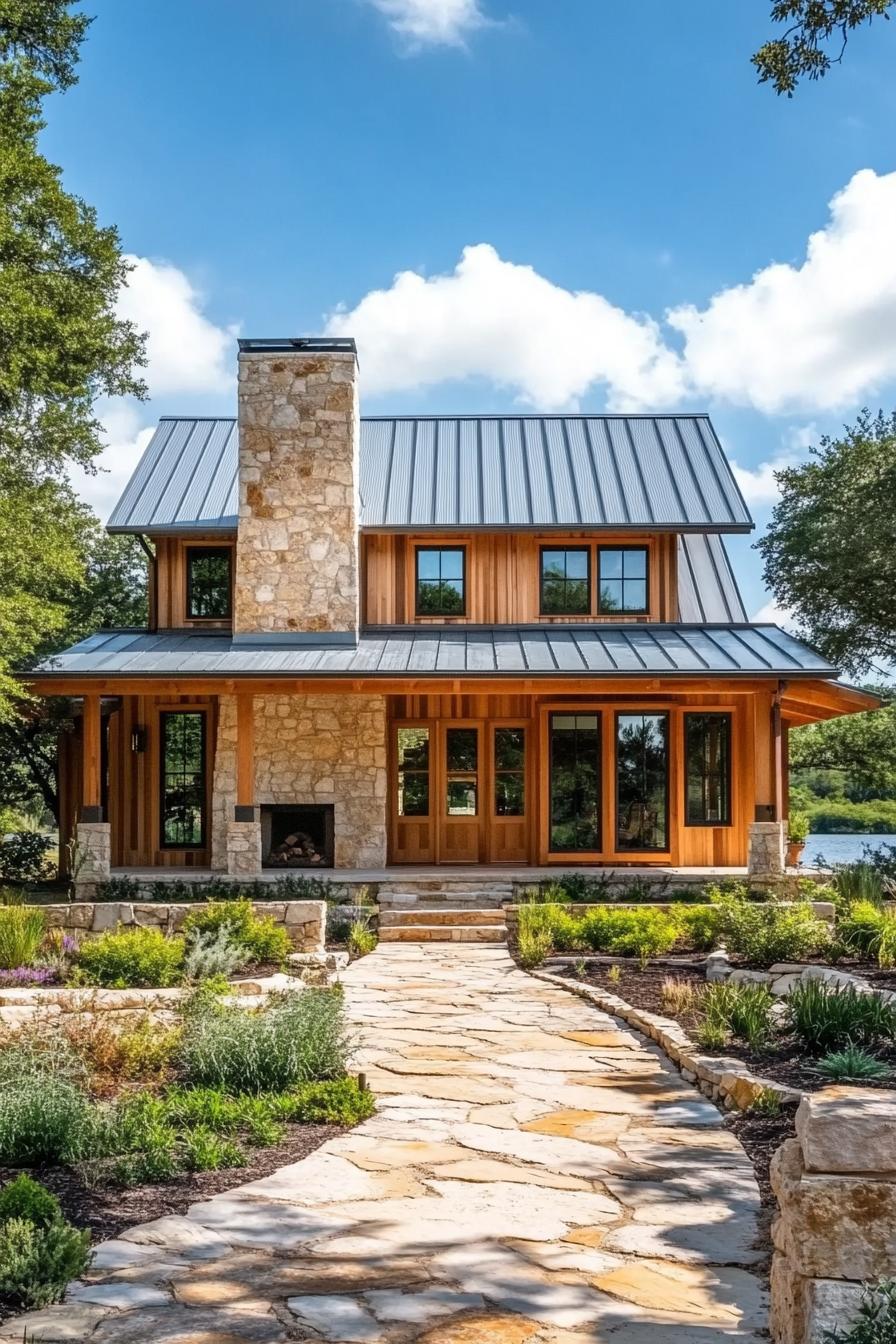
(304, 921)
(311, 749)
(836, 1230)
(297, 543)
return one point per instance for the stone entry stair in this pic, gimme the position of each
(445, 911)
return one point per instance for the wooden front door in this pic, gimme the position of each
(461, 792)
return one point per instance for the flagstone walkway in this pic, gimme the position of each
(535, 1174)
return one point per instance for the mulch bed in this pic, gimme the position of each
(109, 1210)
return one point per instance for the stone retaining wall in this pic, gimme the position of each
(836, 1229)
(304, 921)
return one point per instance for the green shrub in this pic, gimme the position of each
(859, 929)
(876, 1320)
(23, 856)
(825, 1019)
(294, 1038)
(744, 1010)
(852, 1064)
(858, 882)
(629, 933)
(798, 828)
(214, 953)
(341, 1102)
(764, 934)
(140, 1138)
(699, 927)
(204, 1150)
(361, 939)
(28, 1199)
(37, 1263)
(21, 934)
(533, 946)
(766, 1102)
(711, 1035)
(144, 958)
(43, 1119)
(263, 940)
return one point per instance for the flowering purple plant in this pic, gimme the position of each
(69, 945)
(27, 976)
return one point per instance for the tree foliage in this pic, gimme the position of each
(814, 40)
(863, 746)
(830, 549)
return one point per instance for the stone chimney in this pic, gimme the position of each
(297, 541)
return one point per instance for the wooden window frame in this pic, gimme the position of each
(629, 713)
(191, 552)
(626, 611)
(163, 715)
(574, 711)
(437, 615)
(729, 766)
(585, 550)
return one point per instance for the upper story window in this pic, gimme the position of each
(622, 579)
(441, 580)
(208, 583)
(565, 581)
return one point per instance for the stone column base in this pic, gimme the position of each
(244, 848)
(93, 857)
(765, 861)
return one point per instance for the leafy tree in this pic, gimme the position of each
(863, 746)
(830, 549)
(61, 343)
(816, 28)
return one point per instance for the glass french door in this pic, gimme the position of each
(574, 765)
(460, 793)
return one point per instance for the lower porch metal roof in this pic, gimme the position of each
(557, 650)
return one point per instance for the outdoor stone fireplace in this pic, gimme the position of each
(297, 835)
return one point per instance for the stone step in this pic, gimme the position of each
(437, 887)
(445, 900)
(495, 934)
(392, 919)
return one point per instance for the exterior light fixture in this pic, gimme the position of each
(138, 738)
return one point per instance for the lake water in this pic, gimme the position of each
(840, 848)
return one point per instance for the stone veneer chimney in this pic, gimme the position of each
(297, 540)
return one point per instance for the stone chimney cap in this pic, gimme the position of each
(343, 345)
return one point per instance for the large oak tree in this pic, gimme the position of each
(814, 37)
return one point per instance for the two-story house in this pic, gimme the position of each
(495, 640)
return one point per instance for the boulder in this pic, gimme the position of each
(848, 1129)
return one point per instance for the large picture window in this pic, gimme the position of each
(413, 772)
(642, 767)
(565, 581)
(707, 753)
(441, 580)
(208, 583)
(622, 579)
(183, 781)
(575, 782)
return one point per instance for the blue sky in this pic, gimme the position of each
(621, 184)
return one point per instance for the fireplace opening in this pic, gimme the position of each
(297, 836)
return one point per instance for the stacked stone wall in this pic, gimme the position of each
(311, 749)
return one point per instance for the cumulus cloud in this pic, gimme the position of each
(494, 319)
(187, 354)
(811, 336)
(770, 613)
(431, 23)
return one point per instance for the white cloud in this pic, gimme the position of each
(187, 354)
(757, 484)
(431, 23)
(491, 318)
(771, 614)
(814, 336)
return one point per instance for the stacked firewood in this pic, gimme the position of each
(298, 848)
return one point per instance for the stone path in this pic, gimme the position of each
(535, 1175)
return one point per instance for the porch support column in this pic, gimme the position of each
(765, 861)
(92, 858)
(244, 830)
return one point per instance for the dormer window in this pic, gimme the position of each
(209, 583)
(622, 580)
(441, 580)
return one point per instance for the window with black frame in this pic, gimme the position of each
(441, 580)
(622, 579)
(182, 779)
(707, 754)
(208, 583)
(412, 746)
(510, 772)
(574, 765)
(642, 792)
(565, 581)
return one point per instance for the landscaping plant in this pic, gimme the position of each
(744, 1010)
(852, 1064)
(263, 940)
(876, 1320)
(767, 933)
(39, 1251)
(45, 1113)
(212, 953)
(679, 996)
(824, 1018)
(361, 939)
(21, 934)
(23, 856)
(146, 958)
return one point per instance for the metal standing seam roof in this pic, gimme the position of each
(707, 588)
(606, 650)
(416, 472)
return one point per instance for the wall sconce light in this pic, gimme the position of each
(138, 738)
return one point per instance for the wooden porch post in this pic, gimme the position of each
(245, 758)
(91, 760)
(778, 740)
